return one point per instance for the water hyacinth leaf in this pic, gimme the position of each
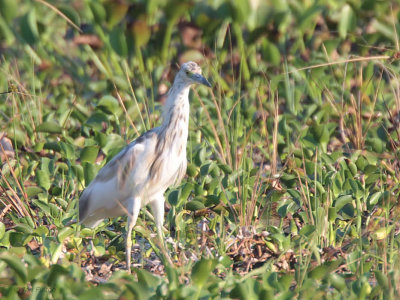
(374, 198)
(184, 194)
(116, 11)
(56, 271)
(2, 230)
(108, 104)
(49, 127)
(89, 154)
(89, 171)
(202, 270)
(147, 278)
(346, 20)
(271, 53)
(32, 191)
(29, 27)
(194, 205)
(337, 281)
(67, 150)
(8, 9)
(43, 179)
(173, 197)
(342, 201)
(64, 233)
(319, 272)
(70, 13)
(16, 135)
(246, 290)
(382, 279)
(98, 11)
(96, 120)
(114, 143)
(16, 265)
(192, 170)
(141, 32)
(307, 230)
(118, 42)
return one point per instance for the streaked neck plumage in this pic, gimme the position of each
(176, 111)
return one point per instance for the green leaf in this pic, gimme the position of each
(67, 150)
(70, 13)
(337, 281)
(43, 179)
(8, 9)
(89, 154)
(382, 279)
(201, 271)
(2, 230)
(118, 42)
(374, 198)
(108, 104)
(64, 233)
(98, 11)
(49, 127)
(89, 171)
(146, 278)
(141, 32)
(342, 201)
(307, 230)
(194, 205)
(16, 265)
(33, 191)
(346, 21)
(29, 28)
(55, 272)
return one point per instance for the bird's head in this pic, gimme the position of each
(190, 73)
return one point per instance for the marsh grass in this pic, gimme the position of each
(293, 177)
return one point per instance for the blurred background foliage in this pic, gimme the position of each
(293, 180)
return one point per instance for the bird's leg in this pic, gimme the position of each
(133, 213)
(157, 207)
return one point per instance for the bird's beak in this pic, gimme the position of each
(201, 79)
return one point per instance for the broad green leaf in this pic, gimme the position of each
(29, 28)
(43, 179)
(118, 42)
(382, 279)
(116, 11)
(64, 233)
(8, 9)
(49, 127)
(89, 171)
(141, 32)
(32, 191)
(16, 265)
(98, 11)
(307, 230)
(67, 150)
(337, 281)
(55, 272)
(89, 154)
(70, 13)
(2, 230)
(201, 271)
(108, 104)
(342, 201)
(147, 278)
(194, 205)
(345, 21)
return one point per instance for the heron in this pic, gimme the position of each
(141, 172)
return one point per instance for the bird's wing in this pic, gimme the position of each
(115, 181)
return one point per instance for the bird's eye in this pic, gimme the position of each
(187, 72)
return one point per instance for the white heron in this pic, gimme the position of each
(140, 174)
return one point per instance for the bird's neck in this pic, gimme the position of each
(176, 110)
